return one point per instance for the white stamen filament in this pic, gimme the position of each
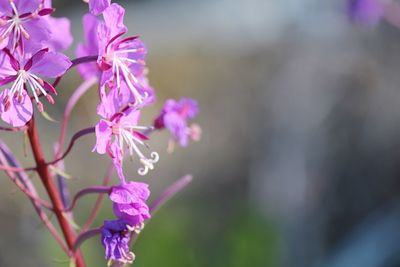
(125, 135)
(119, 65)
(23, 78)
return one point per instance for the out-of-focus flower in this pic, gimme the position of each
(129, 203)
(366, 11)
(115, 239)
(175, 115)
(27, 73)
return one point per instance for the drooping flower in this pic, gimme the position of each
(122, 60)
(22, 21)
(119, 130)
(115, 239)
(174, 117)
(26, 74)
(129, 203)
(366, 11)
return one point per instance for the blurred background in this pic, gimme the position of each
(299, 164)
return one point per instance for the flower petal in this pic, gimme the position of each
(51, 65)
(19, 112)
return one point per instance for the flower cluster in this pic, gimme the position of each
(124, 91)
(32, 64)
(31, 41)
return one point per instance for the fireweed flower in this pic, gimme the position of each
(25, 74)
(129, 203)
(174, 117)
(366, 11)
(121, 60)
(23, 20)
(115, 238)
(119, 130)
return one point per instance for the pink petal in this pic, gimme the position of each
(19, 113)
(103, 136)
(51, 65)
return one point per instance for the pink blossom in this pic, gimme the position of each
(26, 72)
(119, 130)
(121, 59)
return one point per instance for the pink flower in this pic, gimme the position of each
(121, 60)
(119, 130)
(174, 117)
(25, 73)
(129, 202)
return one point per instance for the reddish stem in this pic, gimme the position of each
(43, 171)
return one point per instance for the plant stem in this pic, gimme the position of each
(43, 171)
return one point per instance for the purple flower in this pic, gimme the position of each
(365, 11)
(115, 238)
(26, 73)
(174, 117)
(129, 202)
(122, 60)
(119, 130)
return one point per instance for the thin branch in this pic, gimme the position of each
(75, 62)
(78, 93)
(75, 137)
(85, 236)
(99, 200)
(86, 191)
(27, 187)
(171, 191)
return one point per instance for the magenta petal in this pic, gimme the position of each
(114, 19)
(103, 136)
(51, 65)
(98, 6)
(60, 35)
(18, 113)
(122, 196)
(27, 6)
